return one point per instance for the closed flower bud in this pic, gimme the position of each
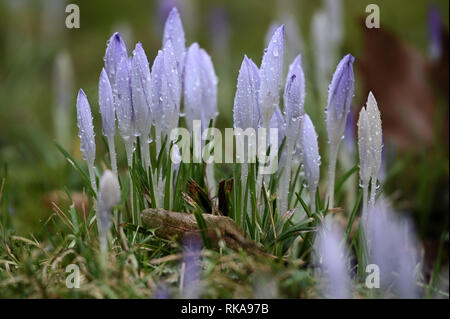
(200, 87)
(141, 92)
(294, 98)
(174, 33)
(340, 97)
(370, 143)
(125, 112)
(115, 51)
(105, 100)
(86, 128)
(310, 153)
(157, 79)
(246, 111)
(270, 74)
(171, 89)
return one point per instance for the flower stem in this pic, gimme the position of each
(332, 173)
(112, 154)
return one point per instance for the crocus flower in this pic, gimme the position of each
(141, 94)
(109, 196)
(174, 33)
(370, 144)
(86, 134)
(340, 97)
(115, 51)
(331, 257)
(124, 110)
(392, 247)
(107, 110)
(158, 96)
(294, 99)
(270, 76)
(171, 89)
(246, 111)
(310, 157)
(200, 87)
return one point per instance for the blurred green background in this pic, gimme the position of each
(33, 35)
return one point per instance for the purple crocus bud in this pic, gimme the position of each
(270, 75)
(294, 98)
(156, 89)
(331, 258)
(173, 32)
(209, 86)
(86, 128)
(171, 89)
(105, 100)
(193, 86)
(246, 109)
(141, 91)
(115, 51)
(200, 87)
(310, 153)
(340, 97)
(125, 112)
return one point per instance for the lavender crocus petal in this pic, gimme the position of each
(246, 112)
(209, 87)
(270, 32)
(174, 33)
(171, 88)
(105, 100)
(124, 110)
(296, 108)
(115, 51)
(141, 91)
(86, 128)
(270, 75)
(193, 86)
(310, 153)
(340, 97)
(294, 99)
(331, 259)
(157, 79)
(349, 142)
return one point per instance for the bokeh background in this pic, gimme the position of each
(405, 64)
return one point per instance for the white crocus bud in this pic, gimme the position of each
(370, 145)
